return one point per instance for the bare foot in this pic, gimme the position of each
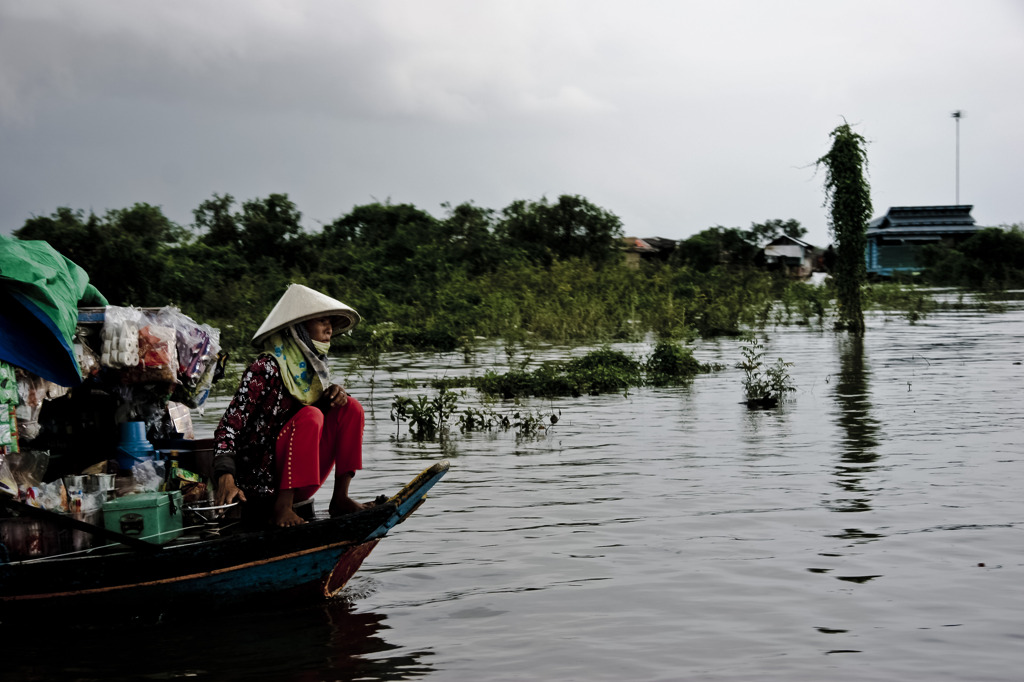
(344, 505)
(287, 518)
(284, 515)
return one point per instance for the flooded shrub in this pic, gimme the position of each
(474, 419)
(446, 383)
(512, 384)
(602, 371)
(527, 424)
(596, 372)
(914, 303)
(427, 417)
(524, 423)
(432, 418)
(671, 363)
(765, 385)
(801, 303)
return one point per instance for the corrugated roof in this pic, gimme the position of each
(786, 237)
(661, 243)
(923, 229)
(920, 216)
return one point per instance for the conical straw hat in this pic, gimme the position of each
(300, 303)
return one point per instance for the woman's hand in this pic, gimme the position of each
(227, 491)
(335, 395)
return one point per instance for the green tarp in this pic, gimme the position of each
(40, 291)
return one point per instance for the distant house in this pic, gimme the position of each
(638, 250)
(793, 256)
(895, 239)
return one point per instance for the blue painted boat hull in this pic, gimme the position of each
(313, 560)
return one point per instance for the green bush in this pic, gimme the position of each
(671, 363)
(990, 259)
(764, 385)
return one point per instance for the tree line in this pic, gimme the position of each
(550, 269)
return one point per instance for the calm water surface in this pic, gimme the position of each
(869, 529)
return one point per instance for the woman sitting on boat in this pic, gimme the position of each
(287, 425)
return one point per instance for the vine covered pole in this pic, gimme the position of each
(848, 198)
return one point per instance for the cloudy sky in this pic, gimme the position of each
(674, 115)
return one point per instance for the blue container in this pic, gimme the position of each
(127, 458)
(133, 433)
(134, 447)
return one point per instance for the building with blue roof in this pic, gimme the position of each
(895, 240)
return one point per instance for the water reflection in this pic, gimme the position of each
(855, 534)
(353, 649)
(328, 641)
(858, 454)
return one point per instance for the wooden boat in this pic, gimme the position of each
(207, 567)
(213, 564)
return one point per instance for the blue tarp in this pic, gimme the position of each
(40, 291)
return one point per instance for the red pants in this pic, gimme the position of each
(312, 443)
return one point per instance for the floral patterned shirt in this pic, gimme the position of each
(247, 433)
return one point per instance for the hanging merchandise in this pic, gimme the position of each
(9, 427)
(195, 396)
(157, 354)
(192, 340)
(198, 346)
(8, 384)
(120, 337)
(72, 452)
(8, 485)
(181, 418)
(8, 408)
(31, 393)
(54, 391)
(88, 360)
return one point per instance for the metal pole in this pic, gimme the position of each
(957, 115)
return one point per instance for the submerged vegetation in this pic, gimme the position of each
(431, 419)
(764, 384)
(605, 370)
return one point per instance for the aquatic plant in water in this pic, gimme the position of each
(605, 370)
(914, 303)
(803, 304)
(671, 363)
(599, 371)
(432, 419)
(428, 417)
(765, 385)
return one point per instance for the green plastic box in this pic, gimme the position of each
(153, 517)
